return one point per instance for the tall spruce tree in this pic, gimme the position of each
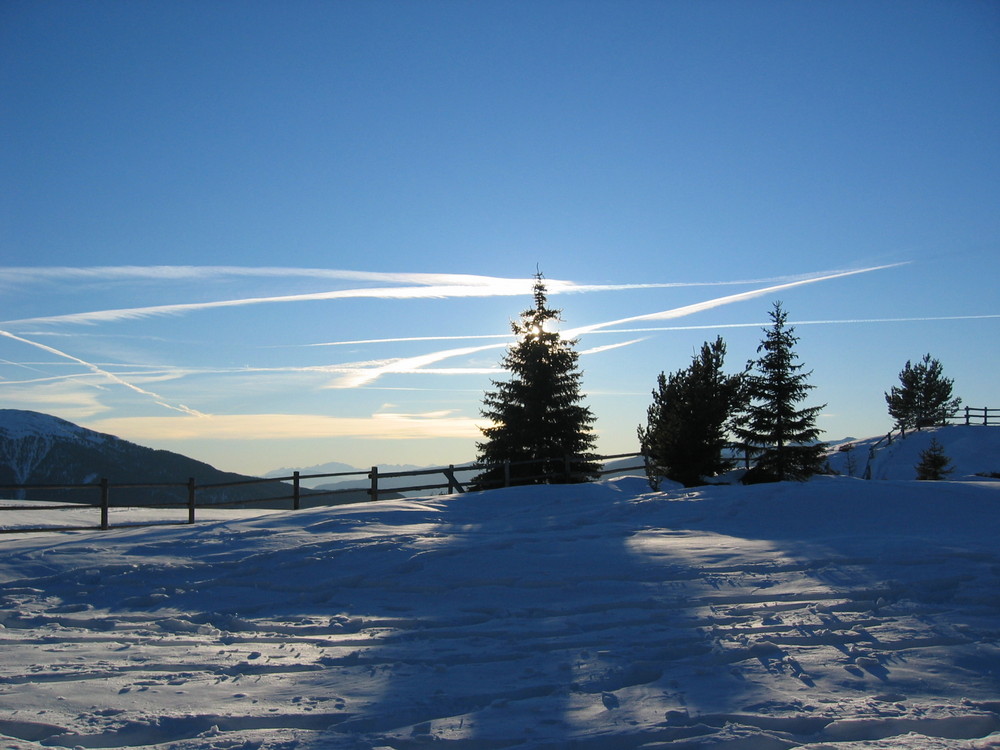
(781, 436)
(537, 418)
(686, 430)
(923, 397)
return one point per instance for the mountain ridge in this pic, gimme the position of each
(42, 449)
(37, 448)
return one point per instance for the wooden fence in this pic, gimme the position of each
(975, 415)
(447, 480)
(972, 415)
(101, 492)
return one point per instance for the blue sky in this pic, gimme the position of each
(304, 207)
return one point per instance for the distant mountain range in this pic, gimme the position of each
(336, 467)
(357, 478)
(41, 449)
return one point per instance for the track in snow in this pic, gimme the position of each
(599, 619)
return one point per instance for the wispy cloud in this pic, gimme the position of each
(104, 373)
(383, 425)
(66, 398)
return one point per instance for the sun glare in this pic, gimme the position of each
(547, 326)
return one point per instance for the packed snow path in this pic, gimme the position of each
(832, 614)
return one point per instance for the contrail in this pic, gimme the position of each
(841, 321)
(403, 339)
(680, 312)
(609, 347)
(787, 281)
(414, 364)
(421, 292)
(432, 286)
(383, 365)
(25, 365)
(364, 373)
(109, 375)
(54, 379)
(361, 377)
(185, 273)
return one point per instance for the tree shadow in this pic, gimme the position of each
(564, 616)
(572, 616)
(597, 618)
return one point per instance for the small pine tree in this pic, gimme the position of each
(537, 416)
(923, 397)
(783, 438)
(686, 425)
(934, 464)
(850, 461)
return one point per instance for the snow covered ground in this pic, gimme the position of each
(972, 449)
(836, 614)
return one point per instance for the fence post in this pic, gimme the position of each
(191, 500)
(451, 479)
(104, 503)
(374, 489)
(506, 472)
(966, 416)
(986, 416)
(295, 491)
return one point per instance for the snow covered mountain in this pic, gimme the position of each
(41, 449)
(834, 614)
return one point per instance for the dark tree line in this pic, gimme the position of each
(695, 410)
(700, 422)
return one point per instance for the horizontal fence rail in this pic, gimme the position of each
(976, 415)
(372, 484)
(970, 415)
(99, 494)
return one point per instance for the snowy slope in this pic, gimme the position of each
(17, 423)
(973, 449)
(27, 437)
(834, 614)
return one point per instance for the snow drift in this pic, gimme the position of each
(836, 614)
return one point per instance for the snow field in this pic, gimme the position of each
(835, 614)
